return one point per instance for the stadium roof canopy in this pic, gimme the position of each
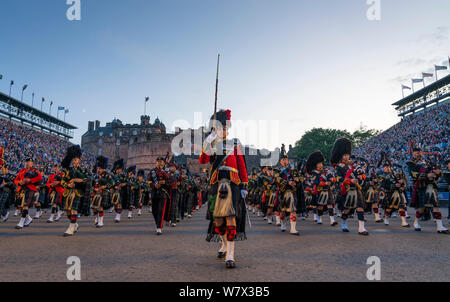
(424, 97)
(427, 89)
(26, 113)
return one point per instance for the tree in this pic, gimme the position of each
(319, 139)
(323, 140)
(362, 134)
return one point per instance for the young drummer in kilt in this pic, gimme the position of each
(27, 181)
(228, 181)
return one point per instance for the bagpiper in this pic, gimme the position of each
(288, 202)
(132, 192)
(74, 182)
(425, 176)
(228, 180)
(322, 181)
(7, 190)
(27, 193)
(119, 198)
(160, 193)
(350, 179)
(392, 188)
(175, 194)
(102, 185)
(55, 191)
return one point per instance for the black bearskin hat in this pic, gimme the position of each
(141, 173)
(223, 116)
(341, 146)
(102, 162)
(118, 164)
(313, 160)
(131, 169)
(72, 152)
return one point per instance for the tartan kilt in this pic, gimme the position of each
(75, 203)
(30, 198)
(288, 202)
(57, 198)
(106, 200)
(4, 199)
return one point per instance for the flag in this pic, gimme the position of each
(61, 108)
(12, 83)
(406, 87)
(147, 99)
(438, 67)
(427, 75)
(51, 103)
(24, 87)
(417, 80)
(43, 100)
(67, 111)
(1, 77)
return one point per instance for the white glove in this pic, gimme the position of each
(211, 137)
(244, 193)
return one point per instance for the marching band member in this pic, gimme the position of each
(26, 182)
(425, 195)
(55, 191)
(74, 182)
(102, 184)
(288, 203)
(226, 208)
(350, 178)
(160, 197)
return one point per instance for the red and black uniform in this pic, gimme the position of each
(228, 166)
(27, 192)
(56, 191)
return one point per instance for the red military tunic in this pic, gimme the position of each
(234, 163)
(33, 181)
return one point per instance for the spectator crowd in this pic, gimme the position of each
(428, 129)
(21, 142)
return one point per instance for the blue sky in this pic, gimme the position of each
(305, 63)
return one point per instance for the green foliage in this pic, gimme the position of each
(318, 139)
(362, 134)
(323, 140)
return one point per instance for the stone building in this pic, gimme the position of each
(140, 144)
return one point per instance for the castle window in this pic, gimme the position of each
(100, 142)
(118, 142)
(99, 152)
(100, 133)
(134, 132)
(120, 133)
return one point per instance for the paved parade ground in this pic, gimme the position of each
(130, 251)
